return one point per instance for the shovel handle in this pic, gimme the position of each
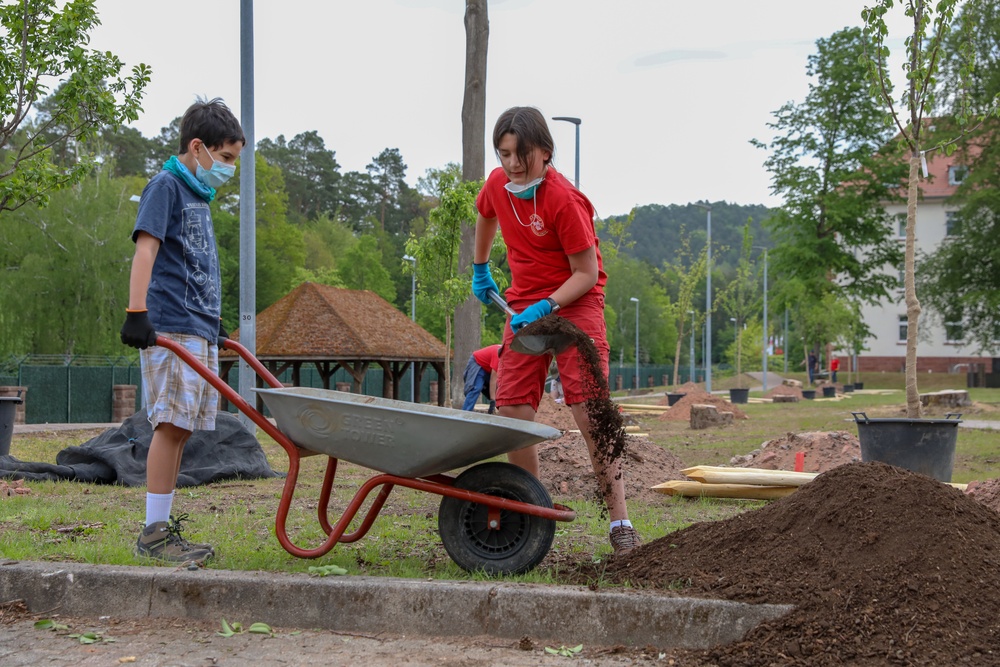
(498, 300)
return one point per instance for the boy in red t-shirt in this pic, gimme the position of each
(834, 367)
(555, 265)
(481, 377)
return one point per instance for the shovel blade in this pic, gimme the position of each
(538, 345)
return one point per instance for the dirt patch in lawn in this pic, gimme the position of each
(822, 451)
(884, 567)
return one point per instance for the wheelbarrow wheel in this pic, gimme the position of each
(518, 544)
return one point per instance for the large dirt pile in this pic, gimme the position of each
(823, 450)
(884, 566)
(566, 471)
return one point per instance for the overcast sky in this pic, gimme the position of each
(669, 92)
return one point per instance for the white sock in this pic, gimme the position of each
(623, 522)
(158, 507)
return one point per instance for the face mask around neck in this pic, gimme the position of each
(526, 191)
(217, 174)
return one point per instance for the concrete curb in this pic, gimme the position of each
(567, 614)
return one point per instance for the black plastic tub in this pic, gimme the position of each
(672, 398)
(926, 446)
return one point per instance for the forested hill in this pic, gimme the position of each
(655, 230)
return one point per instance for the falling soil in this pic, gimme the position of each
(822, 451)
(884, 567)
(607, 428)
(566, 471)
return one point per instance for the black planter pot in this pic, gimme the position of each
(926, 446)
(672, 398)
(847, 388)
(739, 395)
(859, 385)
(809, 394)
(829, 392)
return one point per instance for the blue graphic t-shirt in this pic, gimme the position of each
(184, 293)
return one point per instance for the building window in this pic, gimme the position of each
(901, 225)
(952, 223)
(957, 174)
(902, 328)
(954, 332)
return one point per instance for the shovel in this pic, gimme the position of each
(537, 344)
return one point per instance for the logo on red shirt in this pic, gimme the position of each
(537, 225)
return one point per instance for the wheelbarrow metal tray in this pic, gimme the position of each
(396, 437)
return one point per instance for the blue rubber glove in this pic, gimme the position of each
(530, 314)
(482, 282)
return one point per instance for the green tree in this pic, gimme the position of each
(67, 268)
(441, 286)
(42, 44)
(740, 299)
(686, 271)
(312, 174)
(959, 279)
(362, 269)
(931, 25)
(832, 233)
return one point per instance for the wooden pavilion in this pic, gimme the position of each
(334, 328)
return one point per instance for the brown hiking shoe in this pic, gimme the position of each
(624, 539)
(176, 528)
(159, 542)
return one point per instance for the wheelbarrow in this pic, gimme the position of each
(494, 517)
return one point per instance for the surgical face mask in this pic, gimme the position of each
(526, 191)
(217, 174)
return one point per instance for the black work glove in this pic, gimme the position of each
(223, 336)
(138, 331)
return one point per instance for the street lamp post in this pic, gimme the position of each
(691, 379)
(413, 316)
(708, 298)
(636, 341)
(765, 316)
(575, 121)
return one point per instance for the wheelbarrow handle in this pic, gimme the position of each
(498, 300)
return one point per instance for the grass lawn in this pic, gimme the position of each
(69, 521)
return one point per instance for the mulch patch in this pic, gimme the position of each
(884, 567)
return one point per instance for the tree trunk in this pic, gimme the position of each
(739, 357)
(912, 305)
(477, 35)
(447, 359)
(677, 353)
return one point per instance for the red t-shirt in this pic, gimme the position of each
(539, 240)
(835, 364)
(488, 358)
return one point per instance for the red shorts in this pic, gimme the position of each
(521, 377)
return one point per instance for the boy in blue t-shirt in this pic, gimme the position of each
(175, 289)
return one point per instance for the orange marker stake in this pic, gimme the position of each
(800, 461)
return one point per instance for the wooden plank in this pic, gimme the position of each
(745, 491)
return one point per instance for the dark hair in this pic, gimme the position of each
(212, 122)
(529, 126)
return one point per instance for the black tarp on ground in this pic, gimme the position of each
(118, 456)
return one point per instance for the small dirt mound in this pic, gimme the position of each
(884, 567)
(823, 450)
(784, 390)
(985, 493)
(681, 410)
